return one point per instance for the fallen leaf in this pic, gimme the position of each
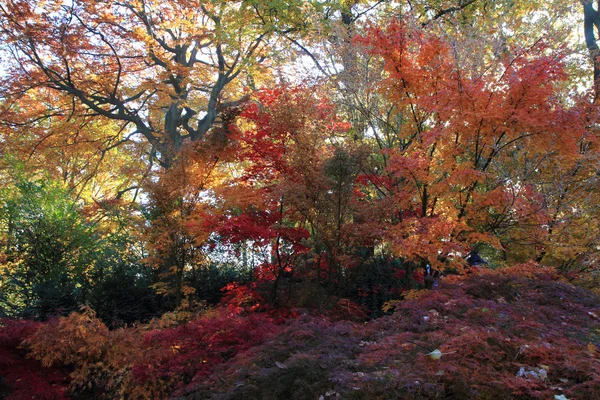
(280, 365)
(436, 354)
(591, 349)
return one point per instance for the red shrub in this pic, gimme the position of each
(25, 378)
(189, 352)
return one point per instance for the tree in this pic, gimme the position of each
(455, 129)
(57, 254)
(95, 159)
(163, 70)
(280, 147)
(177, 204)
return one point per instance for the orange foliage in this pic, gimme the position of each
(453, 185)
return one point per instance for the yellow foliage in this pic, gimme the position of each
(414, 294)
(390, 305)
(408, 295)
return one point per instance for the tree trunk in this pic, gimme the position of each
(591, 20)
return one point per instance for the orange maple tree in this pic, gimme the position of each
(450, 174)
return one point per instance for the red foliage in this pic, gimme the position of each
(189, 352)
(239, 299)
(500, 336)
(261, 227)
(25, 378)
(347, 310)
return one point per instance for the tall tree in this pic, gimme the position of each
(456, 129)
(164, 69)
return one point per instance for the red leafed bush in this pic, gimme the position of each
(240, 299)
(148, 362)
(488, 336)
(21, 377)
(189, 352)
(307, 297)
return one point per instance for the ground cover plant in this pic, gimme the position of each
(490, 335)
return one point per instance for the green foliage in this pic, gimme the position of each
(54, 258)
(209, 280)
(46, 247)
(124, 295)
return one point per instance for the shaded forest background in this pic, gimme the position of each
(185, 181)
